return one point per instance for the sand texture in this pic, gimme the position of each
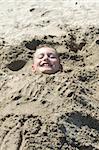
(49, 112)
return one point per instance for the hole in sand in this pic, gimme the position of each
(33, 44)
(16, 65)
(97, 42)
(80, 120)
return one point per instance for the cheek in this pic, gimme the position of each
(55, 62)
(55, 65)
(37, 62)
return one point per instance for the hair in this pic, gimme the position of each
(46, 45)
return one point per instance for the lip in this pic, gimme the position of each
(45, 64)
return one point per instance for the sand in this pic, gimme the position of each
(49, 112)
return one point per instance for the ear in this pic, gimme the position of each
(33, 68)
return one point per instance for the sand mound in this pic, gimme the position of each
(59, 111)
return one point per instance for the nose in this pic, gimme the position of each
(45, 57)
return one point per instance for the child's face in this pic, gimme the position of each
(46, 60)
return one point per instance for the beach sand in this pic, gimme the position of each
(49, 112)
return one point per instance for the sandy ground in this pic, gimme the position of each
(49, 112)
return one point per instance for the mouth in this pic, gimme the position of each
(45, 65)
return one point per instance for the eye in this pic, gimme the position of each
(52, 56)
(40, 56)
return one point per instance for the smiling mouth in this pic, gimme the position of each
(46, 65)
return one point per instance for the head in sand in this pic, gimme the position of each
(46, 60)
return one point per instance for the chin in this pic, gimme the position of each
(49, 71)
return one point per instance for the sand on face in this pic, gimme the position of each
(57, 111)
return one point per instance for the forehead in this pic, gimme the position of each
(45, 50)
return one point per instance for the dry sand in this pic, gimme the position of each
(49, 112)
